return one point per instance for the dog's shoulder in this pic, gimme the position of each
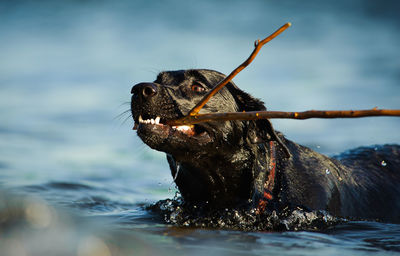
(310, 179)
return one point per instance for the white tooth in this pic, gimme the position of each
(140, 119)
(152, 121)
(157, 121)
(183, 128)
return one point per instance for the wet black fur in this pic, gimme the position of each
(228, 167)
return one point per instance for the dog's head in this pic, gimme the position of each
(210, 160)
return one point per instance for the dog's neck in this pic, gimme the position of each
(246, 177)
(213, 181)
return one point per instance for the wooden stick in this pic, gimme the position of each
(193, 117)
(254, 115)
(257, 44)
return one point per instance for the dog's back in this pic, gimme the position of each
(363, 183)
(374, 182)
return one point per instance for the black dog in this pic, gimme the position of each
(247, 164)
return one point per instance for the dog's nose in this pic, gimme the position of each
(147, 90)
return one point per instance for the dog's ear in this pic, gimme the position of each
(245, 101)
(258, 131)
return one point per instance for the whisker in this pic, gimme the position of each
(176, 174)
(125, 103)
(153, 71)
(122, 114)
(126, 119)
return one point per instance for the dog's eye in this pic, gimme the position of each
(198, 88)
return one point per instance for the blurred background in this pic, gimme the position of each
(67, 67)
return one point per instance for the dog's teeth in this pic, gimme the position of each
(183, 128)
(149, 121)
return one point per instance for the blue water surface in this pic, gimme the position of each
(66, 69)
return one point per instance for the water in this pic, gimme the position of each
(66, 69)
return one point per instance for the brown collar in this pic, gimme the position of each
(269, 182)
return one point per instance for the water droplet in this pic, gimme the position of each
(327, 171)
(383, 163)
(318, 146)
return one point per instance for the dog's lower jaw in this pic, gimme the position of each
(170, 139)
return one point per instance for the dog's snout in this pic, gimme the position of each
(146, 90)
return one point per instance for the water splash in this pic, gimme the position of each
(176, 212)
